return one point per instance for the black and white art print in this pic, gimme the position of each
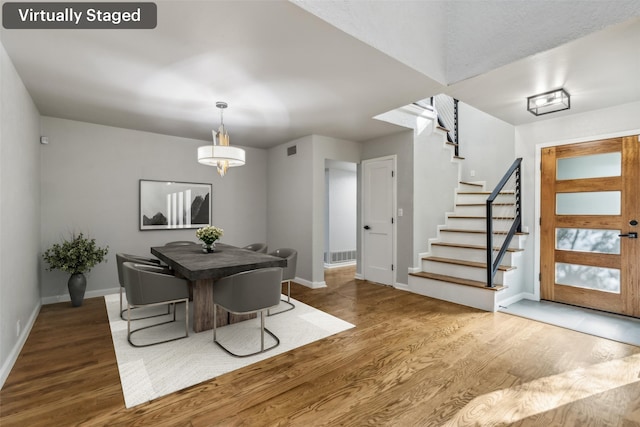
(171, 205)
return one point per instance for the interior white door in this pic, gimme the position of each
(378, 203)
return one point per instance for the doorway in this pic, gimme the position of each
(340, 217)
(589, 225)
(378, 220)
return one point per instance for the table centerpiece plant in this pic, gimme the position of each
(209, 235)
(76, 256)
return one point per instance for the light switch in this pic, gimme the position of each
(400, 212)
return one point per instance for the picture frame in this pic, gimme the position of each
(174, 205)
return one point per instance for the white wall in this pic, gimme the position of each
(436, 177)
(620, 120)
(487, 145)
(289, 206)
(90, 183)
(19, 213)
(297, 197)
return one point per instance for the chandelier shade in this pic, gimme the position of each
(210, 155)
(220, 154)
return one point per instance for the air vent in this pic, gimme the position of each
(292, 150)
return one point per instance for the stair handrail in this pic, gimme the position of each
(516, 226)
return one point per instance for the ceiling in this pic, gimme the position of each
(288, 69)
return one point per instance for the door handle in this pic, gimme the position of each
(366, 227)
(631, 235)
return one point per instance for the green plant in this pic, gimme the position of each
(78, 255)
(209, 234)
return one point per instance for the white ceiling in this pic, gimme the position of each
(286, 73)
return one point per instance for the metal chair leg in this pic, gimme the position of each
(287, 301)
(131, 332)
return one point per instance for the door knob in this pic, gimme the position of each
(632, 235)
(633, 222)
(366, 227)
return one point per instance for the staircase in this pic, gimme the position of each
(455, 267)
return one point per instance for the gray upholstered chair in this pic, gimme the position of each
(147, 285)
(122, 258)
(180, 243)
(257, 247)
(288, 272)
(248, 292)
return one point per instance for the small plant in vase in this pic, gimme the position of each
(209, 235)
(75, 256)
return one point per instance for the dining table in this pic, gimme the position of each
(202, 269)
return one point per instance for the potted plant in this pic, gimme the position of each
(209, 235)
(75, 256)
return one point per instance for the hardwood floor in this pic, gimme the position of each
(410, 361)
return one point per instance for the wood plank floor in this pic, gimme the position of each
(410, 361)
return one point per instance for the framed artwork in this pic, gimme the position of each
(171, 205)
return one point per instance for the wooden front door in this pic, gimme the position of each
(590, 214)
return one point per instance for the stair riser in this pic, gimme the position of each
(480, 239)
(466, 254)
(478, 224)
(461, 271)
(472, 297)
(482, 198)
(468, 188)
(472, 210)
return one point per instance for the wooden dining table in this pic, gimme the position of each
(203, 269)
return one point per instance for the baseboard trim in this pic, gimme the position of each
(514, 299)
(308, 284)
(401, 287)
(7, 366)
(90, 294)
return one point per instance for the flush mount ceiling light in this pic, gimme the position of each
(220, 153)
(549, 102)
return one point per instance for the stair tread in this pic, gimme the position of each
(484, 204)
(466, 263)
(443, 128)
(457, 280)
(475, 184)
(510, 192)
(465, 246)
(477, 217)
(460, 230)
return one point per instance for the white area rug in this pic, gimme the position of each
(151, 372)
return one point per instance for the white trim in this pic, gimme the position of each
(358, 276)
(90, 294)
(515, 298)
(308, 284)
(339, 264)
(15, 351)
(538, 185)
(402, 287)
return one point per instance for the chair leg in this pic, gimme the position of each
(287, 301)
(131, 332)
(262, 331)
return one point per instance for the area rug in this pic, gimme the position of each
(151, 372)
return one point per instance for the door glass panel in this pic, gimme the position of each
(588, 203)
(593, 166)
(583, 276)
(588, 240)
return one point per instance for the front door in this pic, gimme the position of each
(590, 214)
(378, 200)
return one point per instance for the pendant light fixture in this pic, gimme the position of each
(220, 153)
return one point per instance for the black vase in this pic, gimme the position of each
(77, 285)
